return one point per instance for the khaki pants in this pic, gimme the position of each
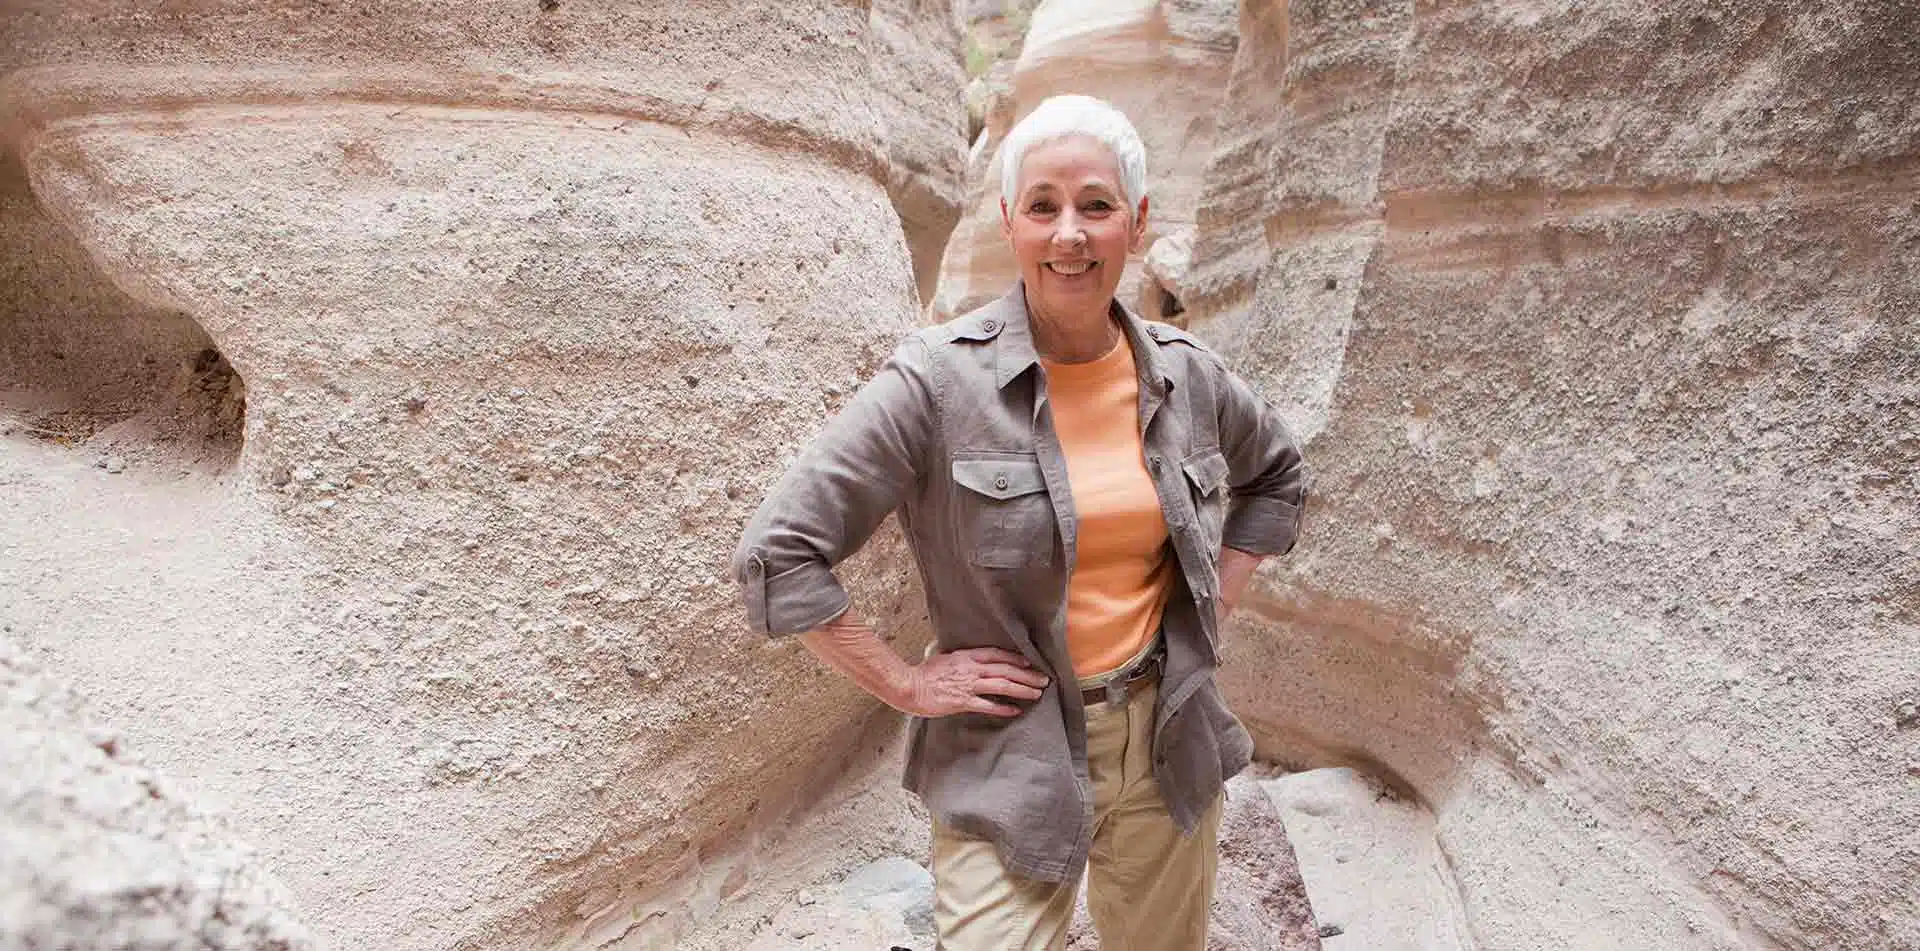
(1149, 887)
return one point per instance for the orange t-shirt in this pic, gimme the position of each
(1122, 572)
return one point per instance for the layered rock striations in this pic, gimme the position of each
(1164, 64)
(1601, 322)
(526, 303)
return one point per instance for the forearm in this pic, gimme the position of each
(854, 648)
(1236, 573)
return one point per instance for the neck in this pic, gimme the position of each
(1071, 337)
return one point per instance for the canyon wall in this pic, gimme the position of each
(1601, 322)
(99, 851)
(384, 388)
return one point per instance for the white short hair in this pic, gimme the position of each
(1061, 117)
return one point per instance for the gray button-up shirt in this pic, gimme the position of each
(955, 434)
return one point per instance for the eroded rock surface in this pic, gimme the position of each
(529, 301)
(99, 851)
(1372, 868)
(1601, 320)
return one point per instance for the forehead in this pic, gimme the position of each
(1072, 163)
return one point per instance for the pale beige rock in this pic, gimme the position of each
(1601, 320)
(528, 302)
(99, 851)
(1163, 63)
(1376, 875)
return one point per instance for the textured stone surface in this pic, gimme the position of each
(1601, 319)
(529, 300)
(884, 904)
(1163, 63)
(1375, 873)
(99, 851)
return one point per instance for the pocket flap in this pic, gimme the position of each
(1000, 478)
(1207, 470)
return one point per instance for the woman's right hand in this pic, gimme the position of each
(962, 681)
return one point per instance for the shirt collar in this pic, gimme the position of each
(1013, 345)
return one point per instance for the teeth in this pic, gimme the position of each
(1063, 267)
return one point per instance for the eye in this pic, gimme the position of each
(1041, 206)
(1098, 206)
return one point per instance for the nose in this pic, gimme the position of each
(1068, 233)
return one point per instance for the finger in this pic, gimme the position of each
(994, 655)
(1031, 678)
(1002, 687)
(983, 705)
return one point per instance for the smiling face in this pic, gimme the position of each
(1071, 229)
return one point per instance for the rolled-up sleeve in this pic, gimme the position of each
(835, 495)
(1265, 470)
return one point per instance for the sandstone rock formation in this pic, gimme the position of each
(98, 851)
(525, 301)
(1370, 864)
(382, 387)
(1601, 320)
(1162, 62)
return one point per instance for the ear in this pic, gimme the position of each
(1138, 238)
(1006, 221)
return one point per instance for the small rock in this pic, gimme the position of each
(113, 464)
(1331, 931)
(106, 741)
(1906, 715)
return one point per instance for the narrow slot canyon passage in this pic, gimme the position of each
(384, 389)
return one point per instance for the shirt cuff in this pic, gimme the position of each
(1261, 525)
(794, 601)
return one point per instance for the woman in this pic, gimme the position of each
(1062, 472)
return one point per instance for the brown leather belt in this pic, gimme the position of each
(1126, 683)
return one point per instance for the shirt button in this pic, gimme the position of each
(1153, 462)
(990, 326)
(1000, 482)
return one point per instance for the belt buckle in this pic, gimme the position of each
(1121, 684)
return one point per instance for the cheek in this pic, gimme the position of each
(1114, 238)
(1030, 246)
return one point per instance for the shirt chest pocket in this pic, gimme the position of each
(1005, 515)
(1207, 474)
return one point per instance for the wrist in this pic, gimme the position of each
(896, 686)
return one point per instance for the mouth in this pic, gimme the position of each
(1070, 268)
